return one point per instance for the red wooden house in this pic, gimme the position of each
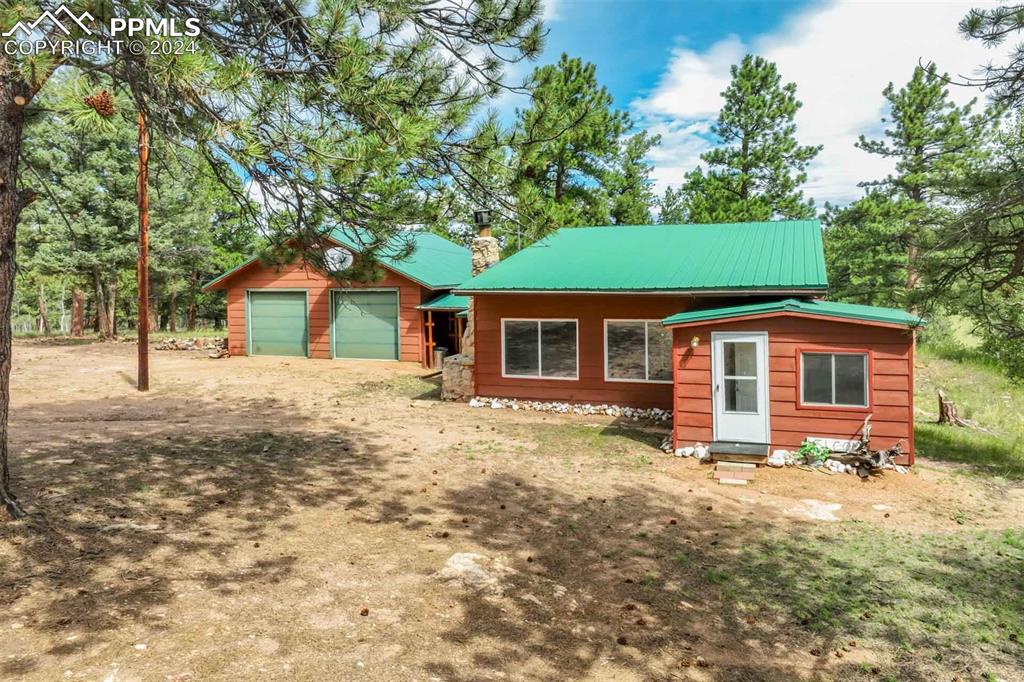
(721, 323)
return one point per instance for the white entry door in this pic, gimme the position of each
(739, 362)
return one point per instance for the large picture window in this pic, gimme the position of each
(539, 349)
(637, 350)
(837, 379)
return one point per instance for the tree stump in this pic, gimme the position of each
(948, 412)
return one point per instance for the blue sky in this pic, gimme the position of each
(666, 61)
(631, 40)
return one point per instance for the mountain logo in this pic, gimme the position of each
(70, 19)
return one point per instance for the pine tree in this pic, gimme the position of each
(628, 183)
(756, 171)
(672, 206)
(345, 113)
(933, 142)
(84, 223)
(562, 145)
(994, 26)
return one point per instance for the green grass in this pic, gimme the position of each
(404, 385)
(984, 395)
(949, 599)
(623, 443)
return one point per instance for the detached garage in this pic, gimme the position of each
(296, 311)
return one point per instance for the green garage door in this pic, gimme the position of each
(278, 323)
(366, 324)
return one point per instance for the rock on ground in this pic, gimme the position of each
(475, 571)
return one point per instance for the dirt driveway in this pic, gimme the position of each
(261, 518)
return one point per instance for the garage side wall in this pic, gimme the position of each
(890, 360)
(591, 312)
(319, 286)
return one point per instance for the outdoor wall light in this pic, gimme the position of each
(694, 342)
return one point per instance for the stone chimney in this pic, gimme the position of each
(457, 378)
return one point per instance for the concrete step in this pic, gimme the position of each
(739, 475)
(735, 466)
(738, 448)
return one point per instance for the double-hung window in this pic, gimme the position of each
(834, 379)
(539, 349)
(637, 350)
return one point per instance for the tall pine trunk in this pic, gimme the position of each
(77, 313)
(172, 312)
(13, 96)
(44, 318)
(193, 291)
(112, 308)
(102, 312)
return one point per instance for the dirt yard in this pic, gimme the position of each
(261, 518)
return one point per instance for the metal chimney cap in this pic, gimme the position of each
(482, 218)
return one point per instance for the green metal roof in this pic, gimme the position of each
(848, 311)
(448, 301)
(765, 256)
(226, 274)
(436, 263)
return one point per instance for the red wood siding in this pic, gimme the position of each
(890, 385)
(258, 276)
(591, 311)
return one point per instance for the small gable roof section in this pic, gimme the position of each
(775, 256)
(446, 302)
(862, 314)
(435, 262)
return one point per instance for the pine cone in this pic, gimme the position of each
(102, 102)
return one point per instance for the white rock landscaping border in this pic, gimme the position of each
(655, 414)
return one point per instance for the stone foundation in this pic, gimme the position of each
(457, 378)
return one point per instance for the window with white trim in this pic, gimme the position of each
(637, 350)
(539, 349)
(834, 379)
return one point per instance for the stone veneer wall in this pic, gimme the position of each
(457, 378)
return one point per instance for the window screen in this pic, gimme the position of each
(539, 348)
(834, 379)
(638, 350)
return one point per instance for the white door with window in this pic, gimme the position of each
(739, 373)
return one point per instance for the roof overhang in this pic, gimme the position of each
(787, 313)
(218, 281)
(816, 310)
(816, 291)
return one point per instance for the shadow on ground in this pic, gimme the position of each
(180, 497)
(629, 581)
(658, 587)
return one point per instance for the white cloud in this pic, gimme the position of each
(549, 10)
(840, 56)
